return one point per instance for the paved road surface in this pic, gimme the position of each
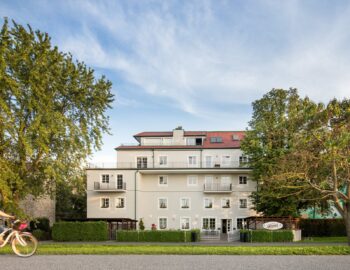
(170, 262)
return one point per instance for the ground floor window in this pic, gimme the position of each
(241, 223)
(243, 203)
(104, 202)
(209, 224)
(163, 223)
(225, 203)
(185, 223)
(120, 203)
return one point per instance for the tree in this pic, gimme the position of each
(52, 114)
(276, 117)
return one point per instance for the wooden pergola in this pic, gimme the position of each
(256, 222)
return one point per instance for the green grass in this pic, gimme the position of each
(334, 239)
(64, 249)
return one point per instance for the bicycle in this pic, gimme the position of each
(23, 244)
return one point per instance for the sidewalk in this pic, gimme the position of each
(201, 243)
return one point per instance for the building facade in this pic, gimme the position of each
(175, 180)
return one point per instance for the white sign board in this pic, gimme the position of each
(272, 225)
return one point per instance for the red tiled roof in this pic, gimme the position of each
(227, 140)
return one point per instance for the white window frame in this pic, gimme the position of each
(211, 165)
(223, 203)
(109, 178)
(166, 158)
(209, 217)
(147, 164)
(189, 203)
(167, 225)
(167, 181)
(189, 223)
(116, 180)
(188, 180)
(192, 165)
(212, 203)
(189, 139)
(116, 202)
(239, 179)
(240, 217)
(158, 202)
(229, 161)
(109, 202)
(246, 205)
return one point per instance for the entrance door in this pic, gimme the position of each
(224, 226)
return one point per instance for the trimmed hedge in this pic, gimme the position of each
(266, 236)
(80, 231)
(41, 223)
(322, 227)
(158, 236)
(41, 235)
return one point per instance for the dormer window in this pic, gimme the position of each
(194, 141)
(216, 139)
(235, 137)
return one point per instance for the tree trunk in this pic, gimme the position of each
(347, 220)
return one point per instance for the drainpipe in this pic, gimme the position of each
(201, 156)
(153, 158)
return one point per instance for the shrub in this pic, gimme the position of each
(42, 223)
(41, 235)
(322, 227)
(266, 236)
(141, 225)
(80, 231)
(158, 236)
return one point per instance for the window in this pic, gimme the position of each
(208, 203)
(163, 203)
(185, 223)
(163, 160)
(104, 202)
(216, 139)
(191, 141)
(209, 224)
(235, 137)
(199, 141)
(163, 223)
(241, 223)
(226, 161)
(120, 203)
(185, 203)
(242, 203)
(163, 180)
(225, 203)
(243, 159)
(243, 180)
(192, 161)
(192, 180)
(208, 161)
(105, 178)
(119, 181)
(141, 162)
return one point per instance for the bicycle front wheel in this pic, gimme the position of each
(24, 245)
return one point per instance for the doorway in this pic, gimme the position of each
(226, 225)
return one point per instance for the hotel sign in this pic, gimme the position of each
(272, 225)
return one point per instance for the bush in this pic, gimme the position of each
(42, 223)
(322, 227)
(41, 235)
(266, 236)
(80, 231)
(158, 236)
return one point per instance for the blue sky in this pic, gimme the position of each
(198, 64)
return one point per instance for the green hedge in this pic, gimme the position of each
(41, 223)
(322, 227)
(80, 231)
(41, 235)
(158, 236)
(266, 236)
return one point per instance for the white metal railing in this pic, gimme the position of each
(233, 236)
(217, 187)
(210, 235)
(102, 165)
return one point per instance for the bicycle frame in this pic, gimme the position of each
(13, 234)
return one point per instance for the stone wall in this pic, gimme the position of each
(43, 206)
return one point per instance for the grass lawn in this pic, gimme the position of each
(63, 249)
(340, 239)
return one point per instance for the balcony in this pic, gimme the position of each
(109, 187)
(217, 188)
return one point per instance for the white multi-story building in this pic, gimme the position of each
(175, 180)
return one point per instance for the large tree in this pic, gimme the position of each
(52, 114)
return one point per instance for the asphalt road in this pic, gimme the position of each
(170, 262)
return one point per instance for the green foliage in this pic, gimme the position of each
(322, 227)
(141, 225)
(41, 235)
(41, 223)
(80, 231)
(157, 236)
(52, 114)
(268, 236)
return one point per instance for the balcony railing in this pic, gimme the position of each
(217, 187)
(112, 186)
(169, 165)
